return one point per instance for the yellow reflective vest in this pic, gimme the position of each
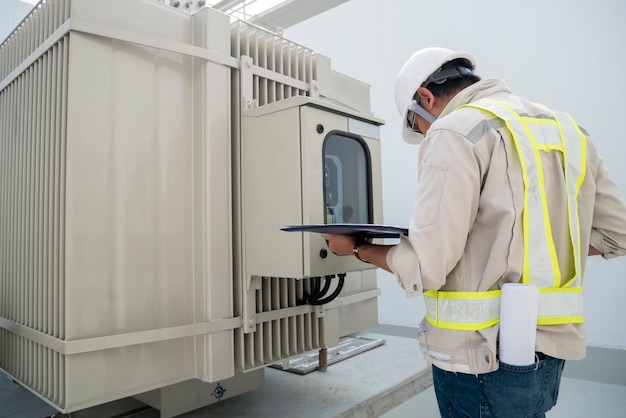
(558, 304)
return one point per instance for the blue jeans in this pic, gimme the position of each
(509, 392)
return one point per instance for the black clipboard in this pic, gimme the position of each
(359, 230)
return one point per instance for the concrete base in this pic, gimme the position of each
(367, 385)
(193, 394)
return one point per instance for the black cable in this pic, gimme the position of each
(326, 286)
(335, 293)
(315, 292)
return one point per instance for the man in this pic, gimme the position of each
(508, 191)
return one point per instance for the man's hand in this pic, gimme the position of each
(593, 251)
(340, 244)
(343, 245)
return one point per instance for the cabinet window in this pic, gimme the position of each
(347, 179)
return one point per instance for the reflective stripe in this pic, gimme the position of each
(462, 310)
(558, 304)
(575, 157)
(483, 127)
(472, 311)
(538, 242)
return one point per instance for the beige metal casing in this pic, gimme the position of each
(116, 209)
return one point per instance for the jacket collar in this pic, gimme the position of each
(485, 88)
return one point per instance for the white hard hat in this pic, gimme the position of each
(413, 74)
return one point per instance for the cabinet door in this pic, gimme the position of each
(337, 185)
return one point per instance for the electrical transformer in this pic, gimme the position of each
(149, 157)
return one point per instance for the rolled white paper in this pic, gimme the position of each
(518, 323)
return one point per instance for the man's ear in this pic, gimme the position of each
(428, 99)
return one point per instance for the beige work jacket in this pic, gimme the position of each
(466, 230)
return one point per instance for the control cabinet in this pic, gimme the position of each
(306, 162)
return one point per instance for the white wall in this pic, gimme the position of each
(567, 54)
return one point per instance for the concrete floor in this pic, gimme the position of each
(578, 398)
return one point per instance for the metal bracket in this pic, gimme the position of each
(249, 304)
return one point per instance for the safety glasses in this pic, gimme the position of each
(415, 108)
(410, 122)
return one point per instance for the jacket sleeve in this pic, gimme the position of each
(448, 189)
(403, 262)
(608, 228)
